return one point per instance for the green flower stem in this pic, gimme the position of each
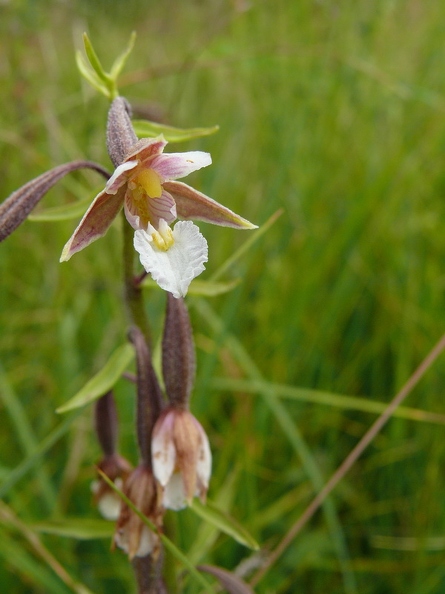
(133, 291)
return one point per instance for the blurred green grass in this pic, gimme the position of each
(333, 111)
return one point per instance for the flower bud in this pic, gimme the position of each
(117, 469)
(132, 534)
(120, 134)
(15, 209)
(182, 459)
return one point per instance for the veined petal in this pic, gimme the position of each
(191, 204)
(119, 177)
(95, 222)
(175, 268)
(174, 165)
(162, 208)
(146, 148)
(146, 210)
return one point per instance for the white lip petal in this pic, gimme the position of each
(175, 268)
(174, 493)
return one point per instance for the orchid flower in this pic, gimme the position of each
(182, 460)
(143, 183)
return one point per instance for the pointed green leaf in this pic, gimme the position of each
(120, 61)
(147, 129)
(103, 381)
(77, 528)
(66, 212)
(224, 522)
(94, 61)
(91, 76)
(201, 287)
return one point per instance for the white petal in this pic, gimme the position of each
(175, 268)
(174, 493)
(163, 457)
(147, 541)
(109, 506)
(175, 165)
(204, 463)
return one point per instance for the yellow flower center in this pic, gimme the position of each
(163, 238)
(150, 182)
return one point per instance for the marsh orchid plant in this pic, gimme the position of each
(175, 458)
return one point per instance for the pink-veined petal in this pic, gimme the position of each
(95, 222)
(149, 210)
(174, 165)
(191, 204)
(146, 148)
(163, 207)
(175, 268)
(119, 177)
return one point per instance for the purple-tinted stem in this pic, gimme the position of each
(106, 423)
(149, 395)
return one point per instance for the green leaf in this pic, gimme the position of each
(120, 61)
(201, 287)
(103, 381)
(224, 522)
(326, 398)
(67, 212)
(147, 129)
(94, 72)
(95, 62)
(91, 76)
(77, 528)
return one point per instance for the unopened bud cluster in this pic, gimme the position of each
(175, 457)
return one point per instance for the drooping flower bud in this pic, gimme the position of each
(182, 460)
(132, 534)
